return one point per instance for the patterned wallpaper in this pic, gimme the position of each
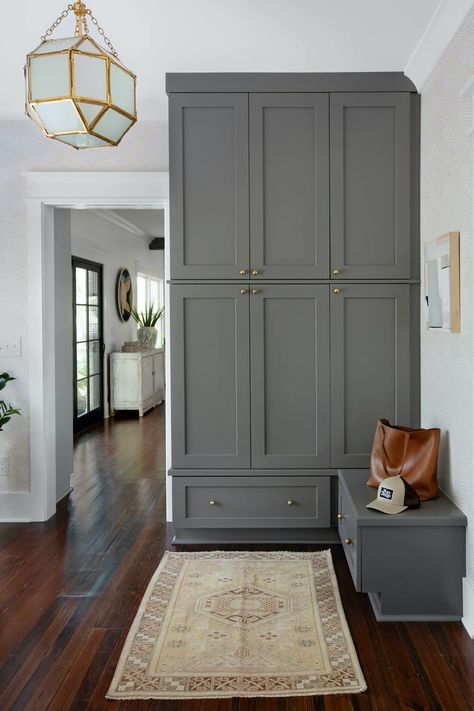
(23, 148)
(447, 204)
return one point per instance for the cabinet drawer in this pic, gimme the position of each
(259, 502)
(347, 526)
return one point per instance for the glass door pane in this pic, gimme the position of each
(88, 343)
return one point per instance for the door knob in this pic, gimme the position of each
(243, 291)
(255, 272)
(336, 291)
(340, 516)
(255, 291)
(348, 541)
(336, 272)
(212, 502)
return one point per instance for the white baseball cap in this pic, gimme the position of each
(394, 495)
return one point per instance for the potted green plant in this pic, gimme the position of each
(6, 410)
(147, 320)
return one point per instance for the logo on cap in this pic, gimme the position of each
(386, 493)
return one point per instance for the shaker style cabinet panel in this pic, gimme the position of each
(210, 376)
(290, 376)
(289, 185)
(370, 185)
(209, 185)
(370, 366)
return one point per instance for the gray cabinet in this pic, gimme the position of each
(210, 376)
(290, 376)
(370, 185)
(209, 185)
(370, 366)
(289, 185)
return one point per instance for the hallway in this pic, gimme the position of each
(71, 588)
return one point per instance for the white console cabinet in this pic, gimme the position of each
(137, 380)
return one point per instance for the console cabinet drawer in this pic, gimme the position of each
(257, 502)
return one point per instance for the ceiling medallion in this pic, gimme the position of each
(76, 91)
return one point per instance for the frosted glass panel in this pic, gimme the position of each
(82, 141)
(49, 77)
(90, 111)
(56, 45)
(59, 116)
(88, 46)
(122, 89)
(112, 125)
(90, 77)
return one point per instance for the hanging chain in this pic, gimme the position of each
(80, 20)
(57, 22)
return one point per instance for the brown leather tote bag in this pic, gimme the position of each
(412, 454)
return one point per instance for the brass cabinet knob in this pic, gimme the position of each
(336, 272)
(348, 541)
(255, 272)
(340, 516)
(290, 502)
(336, 291)
(212, 502)
(243, 291)
(243, 272)
(255, 291)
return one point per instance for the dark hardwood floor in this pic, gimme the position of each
(69, 590)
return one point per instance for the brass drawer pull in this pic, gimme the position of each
(336, 291)
(255, 291)
(336, 272)
(243, 291)
(243, 272)
(290, 502)
(212, 502)
(341, 516)
(255, 272)
(348, 541)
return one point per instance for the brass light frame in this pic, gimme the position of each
(88, 127)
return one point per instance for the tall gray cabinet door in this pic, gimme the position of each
(209, 185)
(289, 336)
(370, 185)
(289, 185)
(370, 366)
(210, 413)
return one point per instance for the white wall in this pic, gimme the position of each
(446, 204)
(100, 241)
(23, 148)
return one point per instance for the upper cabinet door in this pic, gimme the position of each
(289, 337)
(370, 185)
(289, 186)
(210, 374)
(209, 185)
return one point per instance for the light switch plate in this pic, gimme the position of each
(10, 347)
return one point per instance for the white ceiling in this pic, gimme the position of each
(158, 36)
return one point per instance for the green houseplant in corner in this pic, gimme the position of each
(6, 410)
(147, 320)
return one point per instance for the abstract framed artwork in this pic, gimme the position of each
(442, 283)
(124, 295)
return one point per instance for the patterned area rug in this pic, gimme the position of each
(232, 624)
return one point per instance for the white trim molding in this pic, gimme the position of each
(468, 606)
(443, 25)
(44, 192)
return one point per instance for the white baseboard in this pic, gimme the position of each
(468, 606)
(15, 508)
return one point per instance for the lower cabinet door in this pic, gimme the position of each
(210, 376)
(290, 376)
(370, 366)
(246, 502)
(147, 379)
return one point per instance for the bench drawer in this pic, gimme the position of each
(257, 502)
(347, 526)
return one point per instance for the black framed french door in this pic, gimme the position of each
(88, 346)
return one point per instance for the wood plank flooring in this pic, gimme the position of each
(70, 588)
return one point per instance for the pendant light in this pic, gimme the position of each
(77, 91)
